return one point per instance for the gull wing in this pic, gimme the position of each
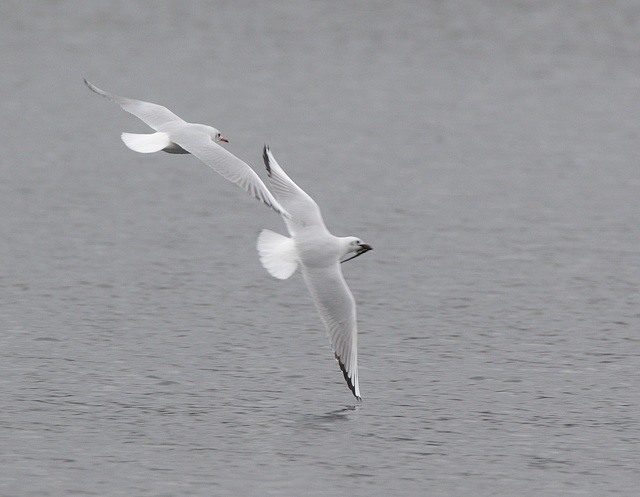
(337, 308)
(303, 209)
(227, 165)
(154, 115)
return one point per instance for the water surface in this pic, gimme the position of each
(488, 153)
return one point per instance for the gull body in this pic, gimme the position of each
(174, 135)
(318, 253)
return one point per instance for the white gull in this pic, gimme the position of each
(174, 135)
(318, 253)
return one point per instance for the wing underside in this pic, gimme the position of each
(228, 166)
(337, 309)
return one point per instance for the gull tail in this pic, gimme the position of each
(277, 254)
(146, 143)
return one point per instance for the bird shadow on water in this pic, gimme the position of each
(326, 421)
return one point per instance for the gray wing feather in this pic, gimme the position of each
(336, 306)
(303, 209)
(154, 115)
(228, 166)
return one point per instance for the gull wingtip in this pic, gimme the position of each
(95, 89)
(266, 152)
(353, 386)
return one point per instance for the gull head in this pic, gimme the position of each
(355, 245)
(215, 135)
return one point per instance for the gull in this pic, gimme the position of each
(176, 136)
(318, 254)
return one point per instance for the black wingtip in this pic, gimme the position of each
(350, 384)
(265, 158)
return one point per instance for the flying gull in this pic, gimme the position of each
(318, 254)
(176, 136)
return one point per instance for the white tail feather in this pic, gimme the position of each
(146, 143)
(277, 254)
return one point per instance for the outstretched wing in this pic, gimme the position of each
(337, 309)
(200, 145)
(227, 165)
(303, 209)
(154, 115)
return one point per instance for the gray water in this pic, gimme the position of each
(489, 153)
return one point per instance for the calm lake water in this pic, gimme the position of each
(487, 151)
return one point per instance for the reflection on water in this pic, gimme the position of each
(324, 421)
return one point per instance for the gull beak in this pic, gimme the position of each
(365, 247)
(223, 140)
